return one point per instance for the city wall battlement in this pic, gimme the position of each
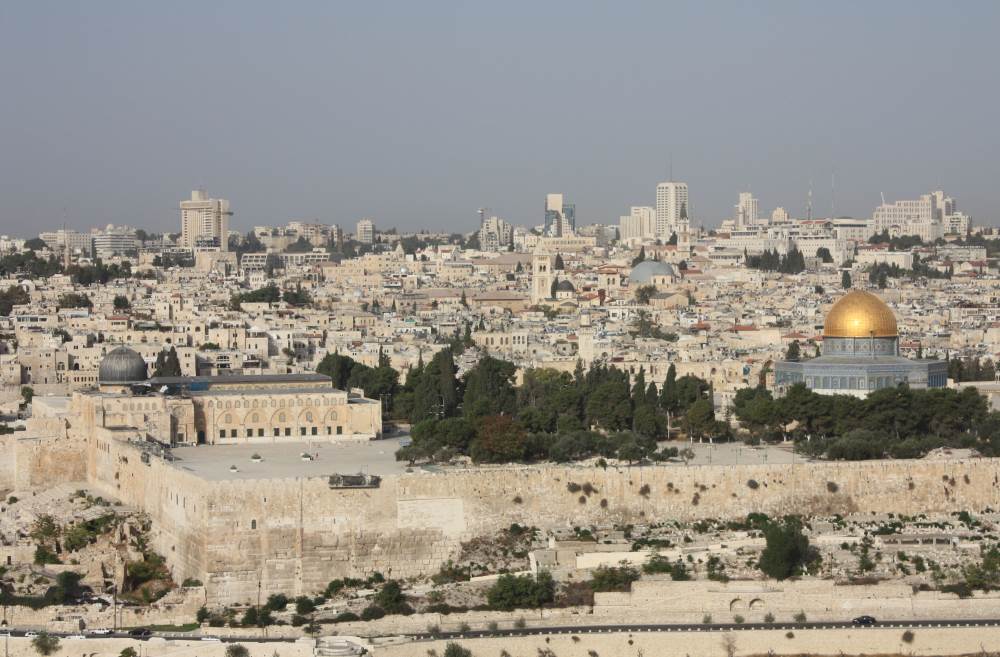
(295, 535)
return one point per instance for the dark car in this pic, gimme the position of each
(141, 632)
(864, 620)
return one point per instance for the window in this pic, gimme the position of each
(340, 430)
(302, 431)
(232, 433)
(222, 433)
(253, 524)
(288, 431)
(314, 431)
(249, 433)
(277, 431)
(260, 433)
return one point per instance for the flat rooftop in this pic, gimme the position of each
(283, 460)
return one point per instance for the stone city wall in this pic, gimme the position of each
(294, 535)
(245, 538)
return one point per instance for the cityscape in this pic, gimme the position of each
(674, 417)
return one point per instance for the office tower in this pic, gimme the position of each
(671, 202)
(560, 217)
(205, 221)
(779, 216)
(746, 210)
(365, 232)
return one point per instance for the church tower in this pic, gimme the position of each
(541, 277)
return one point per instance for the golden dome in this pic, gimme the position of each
(860, 314)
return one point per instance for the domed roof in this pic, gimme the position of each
(122, 365)
(860, 314)
(565, 286)
(645, 270)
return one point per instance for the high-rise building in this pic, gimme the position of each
(746, 210)
(365, 231)
(638, 224)
(205, 221)
(560, 217)
(779, 216)
(495, 234)
(671, 207)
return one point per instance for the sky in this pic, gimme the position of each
(418, 113)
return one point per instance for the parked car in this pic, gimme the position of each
(211, 638)
(76, 636)
(141, 632)
(29, 635)
(864, 620)
(101, 631)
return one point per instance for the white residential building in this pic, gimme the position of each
(639, 224)
(746, 210)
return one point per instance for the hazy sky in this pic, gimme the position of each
(418, 113)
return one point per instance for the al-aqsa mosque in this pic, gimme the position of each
(860, 354)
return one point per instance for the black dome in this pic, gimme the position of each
(122, 365)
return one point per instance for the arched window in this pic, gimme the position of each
(228, 419)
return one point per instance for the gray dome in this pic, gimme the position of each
(565, 286)
(645, 270)
(122, 365)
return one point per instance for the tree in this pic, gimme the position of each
(611, 578)
(489, 388)
(301, 245)
(167, 363)
(700, 418)
(794, 351)
(499, 439)
(74, 300)
(45, 644)
(128, 652)
(845, 280)
(787, 549)
(558, 265)
(823, 254)
(644, 293)
(27, 393)
(639, 258)
(121, 302)
(35, 244)
(390, 598)
(15, 295)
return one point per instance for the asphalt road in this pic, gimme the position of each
(588, 629)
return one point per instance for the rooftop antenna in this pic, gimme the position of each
(833, 191)
(809, 203)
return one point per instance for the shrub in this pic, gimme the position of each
(520, 623)
(907, 636)
(277, 602)
(832, 486)
(128, 652)
(573, 487)
(390, 598)
(610, 578)
(237, 650)
(789, 635)
(455, 650)
(45, 644)
(706, 619)
(752, 484)
(800, 617)
(371, 612)
(514, 591)
(738, 619)
(644, 490)
(202, 615)
(346, 617)
(191, 581)
(304, 605)
(768, 617)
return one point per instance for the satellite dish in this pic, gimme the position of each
(163, 389)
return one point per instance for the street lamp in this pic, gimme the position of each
(6, 634)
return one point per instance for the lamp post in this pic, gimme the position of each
(6, 634)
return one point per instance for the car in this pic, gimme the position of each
(29, 635)
(864, 620)
(211, 638)
(101, 631)
(141, 632)
(76, 636)
(4, 634)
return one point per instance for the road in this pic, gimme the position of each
(591, 629)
